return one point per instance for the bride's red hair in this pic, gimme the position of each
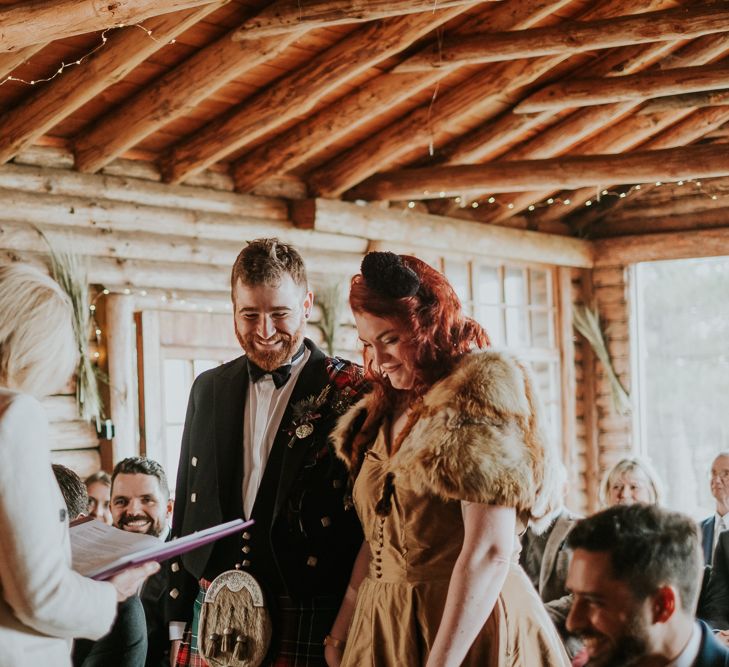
(433, 318)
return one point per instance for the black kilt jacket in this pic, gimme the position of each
(306, 534)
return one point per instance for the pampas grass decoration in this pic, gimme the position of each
(587, 322)
(70, 272)
(330, 300)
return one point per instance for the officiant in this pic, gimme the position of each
(255, 445)
(44, 604)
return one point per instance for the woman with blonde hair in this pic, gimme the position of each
(631, 480)
(44, 604)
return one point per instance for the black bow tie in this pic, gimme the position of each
(279, 375)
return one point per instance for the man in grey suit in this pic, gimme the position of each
(712, 526)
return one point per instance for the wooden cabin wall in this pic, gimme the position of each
(603, 435)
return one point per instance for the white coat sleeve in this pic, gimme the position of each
(37, 581)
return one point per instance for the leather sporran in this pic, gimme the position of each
(235, 626)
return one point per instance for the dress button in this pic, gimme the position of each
(174, 593)
(194, 461)
(311, 561)
(193, 497)
(246, 549)
(175, 567)
(326, 521)
(246, 563)
(337, 483)
(246, 536)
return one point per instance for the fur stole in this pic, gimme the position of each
(477, 438)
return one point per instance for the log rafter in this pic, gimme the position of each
(643, 86)
(289, 15)
(555, 173)
(27, 23)
(51, 103)
(295, 146)
(295, 93)
(572, 37)
(175, 94)
(389, 145)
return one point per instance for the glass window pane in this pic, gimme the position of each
(457, 274)
(542, 329)
(490, 318)
(202, 365)
(515, 287)
(176, 388)
(538, 287)
(517, 333)
(488, 285)
(173, 434)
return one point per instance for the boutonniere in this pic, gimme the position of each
(307, 412)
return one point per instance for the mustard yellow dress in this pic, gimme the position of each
(400, 602)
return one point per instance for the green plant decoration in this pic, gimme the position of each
(330, 302)
(587, 323)
(71, 274)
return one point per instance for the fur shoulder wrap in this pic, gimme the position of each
(478, 438)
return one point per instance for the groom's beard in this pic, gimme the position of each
(279, 354)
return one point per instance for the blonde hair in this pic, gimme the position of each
(38, 347)
(629, 464)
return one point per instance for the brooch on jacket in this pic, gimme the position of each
(346, 383)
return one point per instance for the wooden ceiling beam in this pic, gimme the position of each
(572, 37)
(626, 134)
(295, 146)
(50, 103)
(643, 86)
(12, 59)
(654, 247)
(288, 15)
(563, 173)
(392, 143)
(295, 93)
(173, 95)
(647, 224)
(709, 98)
(41, 21)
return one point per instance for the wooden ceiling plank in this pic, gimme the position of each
(652, 223)
(172, 96)
(12, 59)
(295, 146)
(562, 173)
(52, 102)
(41, 21)
(643, 86)
(288, 15)
(295, 93)
(387, 146)
(654, 247)
(572, 37)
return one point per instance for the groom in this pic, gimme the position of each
(255, 445)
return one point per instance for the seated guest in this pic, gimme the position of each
(719, 521)
(126, 644)
(635, 576)
(98, 486)
(630, 480)
(73, 491)
(545, 558)
(140, 503)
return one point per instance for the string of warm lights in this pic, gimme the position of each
(64, 65)
(566, 201)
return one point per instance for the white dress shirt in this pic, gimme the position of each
(721, 523)
(264, 409)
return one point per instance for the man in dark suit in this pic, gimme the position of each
(712, 526)
(255, 445)
(141, 503)
(635, 576)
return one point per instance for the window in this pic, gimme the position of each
(516, 306)
(681, 323)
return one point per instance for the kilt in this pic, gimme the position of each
(299, 631)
